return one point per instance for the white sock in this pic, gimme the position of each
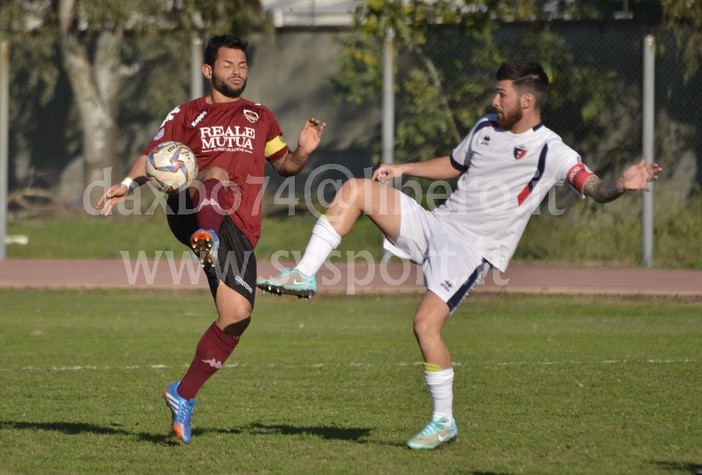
(440, 385)
(323, 241)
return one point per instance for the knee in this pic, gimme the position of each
(420, 327)
(236, 328)
(426, 328)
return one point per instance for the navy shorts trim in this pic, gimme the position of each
(465, 289)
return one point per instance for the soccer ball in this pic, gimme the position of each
(171, 167)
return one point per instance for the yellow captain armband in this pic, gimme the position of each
(274, 145)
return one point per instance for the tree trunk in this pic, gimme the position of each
(95, 87)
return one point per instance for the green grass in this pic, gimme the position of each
(75, 237)
(544, 385)
(589, 233)
(612, 235)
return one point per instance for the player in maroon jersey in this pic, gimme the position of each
(219, 217)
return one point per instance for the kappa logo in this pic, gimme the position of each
(485, 141)
(213, 363)
(519, 152)
(251, 116)
(170, 116)
(198, 118)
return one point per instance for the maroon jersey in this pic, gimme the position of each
(236, 136)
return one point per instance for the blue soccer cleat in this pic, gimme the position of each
(205, 244)
(181, 412)
(290, 282)
(437, 432)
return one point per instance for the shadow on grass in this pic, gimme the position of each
(166, 438)
(694, 468)
(331, 433)
(78, 428)
(70, 428)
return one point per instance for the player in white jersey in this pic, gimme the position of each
(510, 173)
(507, 164)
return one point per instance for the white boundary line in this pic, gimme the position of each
(354, 365)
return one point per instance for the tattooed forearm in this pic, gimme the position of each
(603, 191)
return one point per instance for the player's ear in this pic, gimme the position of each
(207, 71)
(527, 100)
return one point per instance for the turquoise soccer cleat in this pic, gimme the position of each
(436, 433)
(290, 282)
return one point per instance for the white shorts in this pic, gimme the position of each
(451, 266)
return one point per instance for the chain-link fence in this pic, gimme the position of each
(595, 104)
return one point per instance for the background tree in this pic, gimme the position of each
(439, 98)
(684, 19)
(101, 58)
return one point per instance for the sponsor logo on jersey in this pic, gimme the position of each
(519, 152)
(198, 118)
(233, 139)
(251, 116)
(485, 141)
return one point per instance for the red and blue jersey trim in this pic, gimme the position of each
(524, 194)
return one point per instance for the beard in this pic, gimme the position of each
(508, 120)
(226, 90)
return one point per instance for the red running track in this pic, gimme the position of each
(338, 278)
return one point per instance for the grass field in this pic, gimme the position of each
(544, 385)
(587, 233)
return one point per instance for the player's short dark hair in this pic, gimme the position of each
(527, 76)
(224, 41)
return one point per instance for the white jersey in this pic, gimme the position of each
(505, 178)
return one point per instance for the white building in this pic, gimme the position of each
(311, 12)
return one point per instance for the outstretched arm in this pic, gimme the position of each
(117, 193)
(636, 177)
(307, 142)
(435, 169)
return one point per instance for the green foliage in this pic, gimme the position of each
(94, 42)
(155, 85)
(164, 27)
(361, 63)
(544, 385)
(611, 234)
(684, 18)
(142, 17)
(439, 99)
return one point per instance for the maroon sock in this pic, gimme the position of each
(212, 351)
(211, 208)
